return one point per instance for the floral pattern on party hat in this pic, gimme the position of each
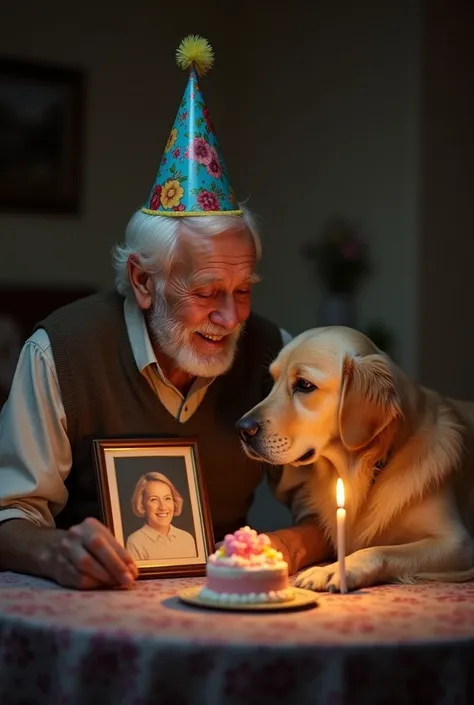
(192, 178)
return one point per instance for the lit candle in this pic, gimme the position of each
(341, 534)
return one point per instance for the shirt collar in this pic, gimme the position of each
(154, 535)
(140, 342)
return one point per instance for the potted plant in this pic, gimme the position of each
(341, 263)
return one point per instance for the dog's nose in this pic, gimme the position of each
(248, 427)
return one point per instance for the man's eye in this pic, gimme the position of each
(303, 385)
(205, 294)
(243, 292)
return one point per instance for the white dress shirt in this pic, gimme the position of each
(35, 454)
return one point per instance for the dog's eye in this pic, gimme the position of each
(303, 385)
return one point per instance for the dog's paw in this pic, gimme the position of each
(362, 570)
(320, 578)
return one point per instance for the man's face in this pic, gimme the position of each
(207, 300)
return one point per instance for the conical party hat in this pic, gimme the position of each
(192, 179)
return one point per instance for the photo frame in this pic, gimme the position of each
(41, 136)
(154, 501)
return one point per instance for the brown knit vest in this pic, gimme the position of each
(104, 395)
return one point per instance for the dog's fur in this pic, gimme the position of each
(405, 454)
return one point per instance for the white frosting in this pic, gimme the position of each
(251, 598)
(231, 570)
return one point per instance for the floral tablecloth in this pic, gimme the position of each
(390, 645)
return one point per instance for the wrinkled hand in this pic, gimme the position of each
(87, 556)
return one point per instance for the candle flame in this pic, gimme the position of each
(340, 493)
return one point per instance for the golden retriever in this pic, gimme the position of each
(339, 407)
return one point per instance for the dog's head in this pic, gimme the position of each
(330, 385)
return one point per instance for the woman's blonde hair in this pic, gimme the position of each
(138, 504)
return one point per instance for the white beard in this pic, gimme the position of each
(176, 341)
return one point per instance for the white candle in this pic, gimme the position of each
(341, 534)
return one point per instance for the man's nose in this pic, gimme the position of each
(248, 428)
(226, 315)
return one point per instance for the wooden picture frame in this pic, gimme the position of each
(154, 501)
(41, 136)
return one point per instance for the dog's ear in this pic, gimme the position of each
(369, 400)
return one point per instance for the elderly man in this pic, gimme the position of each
(175, 350)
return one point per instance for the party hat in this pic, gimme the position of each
(192, 179)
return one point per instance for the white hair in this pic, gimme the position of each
(154, 240)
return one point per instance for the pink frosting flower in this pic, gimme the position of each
(246, 549)
(245, 543)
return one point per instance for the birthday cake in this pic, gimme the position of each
(246, 569)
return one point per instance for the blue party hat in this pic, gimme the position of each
(192, 179)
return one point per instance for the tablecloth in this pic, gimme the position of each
(388, 645)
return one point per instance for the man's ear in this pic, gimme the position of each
(141, 282)
(369, 400)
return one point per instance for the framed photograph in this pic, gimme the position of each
(41, 136)
(154, 501)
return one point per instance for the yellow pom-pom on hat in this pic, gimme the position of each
(195, 51)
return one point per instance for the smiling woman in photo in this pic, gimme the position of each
(157, 500)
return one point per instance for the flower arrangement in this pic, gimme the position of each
(340, 257)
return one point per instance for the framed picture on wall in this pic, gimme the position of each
(154, 502)
(41, 136)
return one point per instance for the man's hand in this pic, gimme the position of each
(87, 556)
(84, 557)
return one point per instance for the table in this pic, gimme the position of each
(389, 645)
